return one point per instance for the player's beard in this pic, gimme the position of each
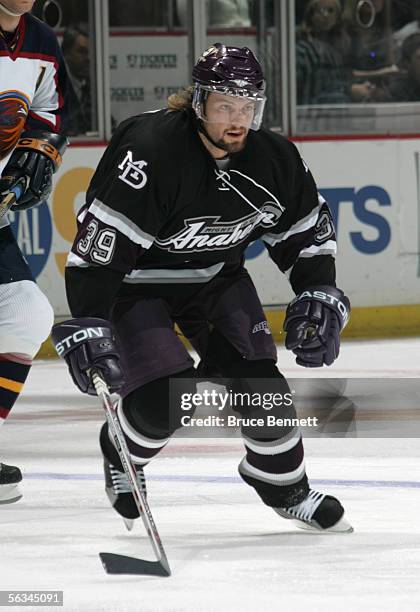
(231, 147)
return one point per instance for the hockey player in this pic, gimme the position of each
(176, 199)
(32, 89)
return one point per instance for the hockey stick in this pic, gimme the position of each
(310, 332)
(10, 198)
(120, 564)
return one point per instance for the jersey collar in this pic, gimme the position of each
(14, 45)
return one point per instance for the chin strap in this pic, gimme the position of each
(9, 12)
(201, 128)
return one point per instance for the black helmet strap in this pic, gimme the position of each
(202, 128)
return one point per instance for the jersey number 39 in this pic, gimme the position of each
(99, 244)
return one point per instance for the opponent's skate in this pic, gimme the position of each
(317, 512)
(10, 477)
(117, 485)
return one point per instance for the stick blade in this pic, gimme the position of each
(120, 564)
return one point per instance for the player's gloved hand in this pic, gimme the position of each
(89, 343)
(36, 158)
(313, 323)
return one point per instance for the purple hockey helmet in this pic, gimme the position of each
(232, 71)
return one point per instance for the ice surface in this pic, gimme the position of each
(227, 551)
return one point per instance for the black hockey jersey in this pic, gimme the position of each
(162, 213)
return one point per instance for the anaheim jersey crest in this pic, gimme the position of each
(209, 233)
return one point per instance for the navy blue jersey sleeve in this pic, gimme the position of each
(49, 106)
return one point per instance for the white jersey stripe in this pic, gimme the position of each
(328, 248)
(276, 479)
(115, 219)
(82, 214)
(301, 226)
(137, 437)
(198, 275)
(273, 448)
(76, 261)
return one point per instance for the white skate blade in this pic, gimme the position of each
(129, 523)
(343, 526)
(10, 493)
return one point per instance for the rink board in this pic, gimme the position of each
(373, 188)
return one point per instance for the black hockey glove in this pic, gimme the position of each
(86, 344)
(313, 323)
(36, 158)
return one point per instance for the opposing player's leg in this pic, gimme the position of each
(241, 346)
(151, 354)
(26, 318)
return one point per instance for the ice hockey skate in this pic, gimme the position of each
(10, 477)
(117, 485)
(317, 513)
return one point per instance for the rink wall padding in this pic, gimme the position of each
(373, 322)
(373, 189)
(365, 323)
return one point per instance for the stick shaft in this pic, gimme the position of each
(124, 454)
(11, 198)
(7, 203)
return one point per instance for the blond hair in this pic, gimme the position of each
(182, 100)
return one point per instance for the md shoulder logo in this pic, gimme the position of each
(132, 172)
(33, 231)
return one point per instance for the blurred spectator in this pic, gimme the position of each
(138, 13)
(371, 58)
(321, 44)
(72, 11)
(409, 28)
(402, 12)
(371, 53)
(228, 13)
(75, 48)
(220, 13)
(319, 64)
(406, 86)
(300, 7)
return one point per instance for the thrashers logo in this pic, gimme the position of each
(14, 109)
(208, 234)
